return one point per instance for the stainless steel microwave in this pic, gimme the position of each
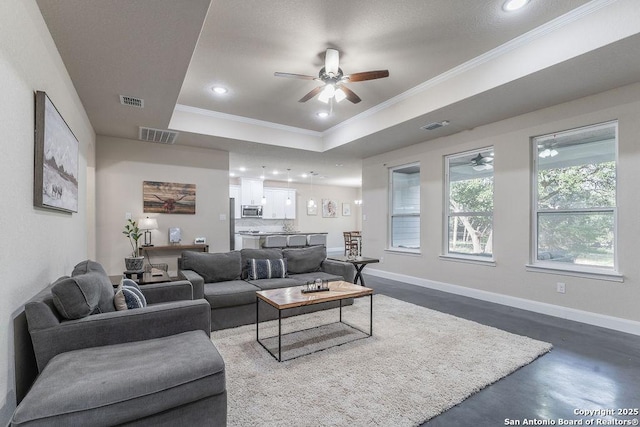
(251, 211)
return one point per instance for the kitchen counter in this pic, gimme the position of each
(253, 240)
(275, 233)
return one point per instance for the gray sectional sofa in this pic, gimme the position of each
(149, 366)
(226, 282)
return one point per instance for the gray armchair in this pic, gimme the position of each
(153, 365)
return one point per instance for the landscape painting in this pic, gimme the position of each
(56, 159)
(168, 197)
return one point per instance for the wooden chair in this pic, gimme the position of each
(352, 243)
(356, 242)
(347, 242)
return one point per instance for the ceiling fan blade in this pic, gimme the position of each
(311, 94)
(294, 76)
(351, 96)
(331, 61)
(368, 75)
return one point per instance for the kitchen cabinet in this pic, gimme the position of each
(251, 191)
(276, 206)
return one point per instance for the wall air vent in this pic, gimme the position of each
(157, 135)
(132, 101)
(435, 125)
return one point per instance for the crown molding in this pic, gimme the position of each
(538, 32)
(246, 120)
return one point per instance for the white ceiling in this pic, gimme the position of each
(465, 61)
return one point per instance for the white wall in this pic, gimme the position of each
(511, 244)
(38, 246)
(121, 167)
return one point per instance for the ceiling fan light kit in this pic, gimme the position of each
(334, 80)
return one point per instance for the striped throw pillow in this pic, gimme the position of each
(267, 268)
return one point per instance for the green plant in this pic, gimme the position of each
(132, 231)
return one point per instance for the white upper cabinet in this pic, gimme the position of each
(276, 206)
(251, 191)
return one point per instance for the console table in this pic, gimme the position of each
(167, 248)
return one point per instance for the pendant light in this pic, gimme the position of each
(264, 199)
(288, 202)
(311, 203)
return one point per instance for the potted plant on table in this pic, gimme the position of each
(134, 262)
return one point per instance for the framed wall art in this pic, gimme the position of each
(329, 208)
(168, 197)
(56, 159)
(312, 209)
(346, 209)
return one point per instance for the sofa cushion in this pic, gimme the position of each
(230, 294)
(78, 296)
(287, 282)
(247, 254)
(105, 305)
(118, 384)
(218, 267)
(305, 260)
(267, 268)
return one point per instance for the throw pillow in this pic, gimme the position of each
(76, 297)
(105, 304)
(267, 268)
(128, 296)
(247, 254)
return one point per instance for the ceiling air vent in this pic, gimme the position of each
(158, 135)
(132, 101)
(435, 125)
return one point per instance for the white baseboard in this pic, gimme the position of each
(610, 322)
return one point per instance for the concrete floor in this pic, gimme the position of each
(589, 367)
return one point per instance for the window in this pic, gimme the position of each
(575, 198)
(469, 204)
(405, 208)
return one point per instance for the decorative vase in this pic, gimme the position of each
(134, 263)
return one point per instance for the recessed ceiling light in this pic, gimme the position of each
(322, 114)
(220, 90)
(511, 5)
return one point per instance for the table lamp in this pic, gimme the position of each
(147, 224)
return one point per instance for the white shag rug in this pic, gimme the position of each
(417, 364)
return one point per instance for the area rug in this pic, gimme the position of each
(417, 364)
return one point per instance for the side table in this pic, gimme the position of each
(142, 277)
(358, 262)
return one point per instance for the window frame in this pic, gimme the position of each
(446, 253)
(391, 215)
(587, 271)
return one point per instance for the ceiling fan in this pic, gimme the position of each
(333, 80)
(480, 163)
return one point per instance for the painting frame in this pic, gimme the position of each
(346, 209)
(312, 209)
(56, 159)
(168, 197)
(329, 208)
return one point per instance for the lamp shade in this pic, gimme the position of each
(148, 224)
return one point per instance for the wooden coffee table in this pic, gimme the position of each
(286, 298)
